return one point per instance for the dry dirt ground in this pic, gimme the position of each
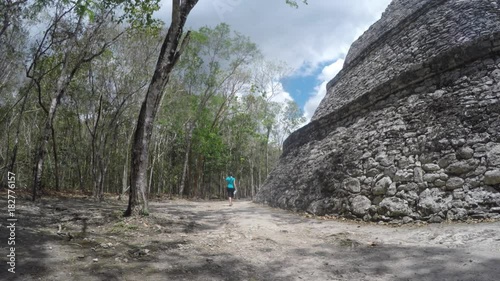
(77, 239)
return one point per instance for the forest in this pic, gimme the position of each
(75, 73)
(119, 128)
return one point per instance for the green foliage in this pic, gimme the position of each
(139, 14)
(294, 3)
(213, 88)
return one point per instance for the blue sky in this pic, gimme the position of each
(312, 40)
(302, 86)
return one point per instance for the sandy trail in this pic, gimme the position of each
(185, 240)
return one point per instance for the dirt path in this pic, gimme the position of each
(75, 239)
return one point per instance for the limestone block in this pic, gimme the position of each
(439, 183)
(431, 177)
(454, 183)
(418, 175)
(360, 205)
(431, 167)
(381, 186)
(372, 172)
(492, 177)
(391, 191)
(456, 214)
(466, 152)
(409, 196)
(317, 208)
(447, 160)
(403, 176)
(479, 150)
(458, 194)
(462, 167)
(352, 185)
(370, 163)
(436, 218)
(383, 159)
(443, 176)
(394, 207)
(431, 201)
(390, 171)
(493, 154)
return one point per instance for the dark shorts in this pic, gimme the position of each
(230, 192)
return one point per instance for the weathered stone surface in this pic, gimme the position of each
(431, 167)
(462, 167)
(360, 204)
(317, 208)
(431, 177)
(418, 175)
(432, 31)
(454, 183)
(493, 154)
(381, 186)
(466, 152)
(394, 207)
(492, 177)
(403, 176)
(431, 201)
(410, 126)
(391, 191)
(352, 185)
(446, 160)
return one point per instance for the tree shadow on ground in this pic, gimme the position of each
(172, 259)
(402, 263)
(179, 266)
(31, 249)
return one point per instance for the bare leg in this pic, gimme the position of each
(230, 201)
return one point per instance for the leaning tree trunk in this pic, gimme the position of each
(170, 52)
(62, 83)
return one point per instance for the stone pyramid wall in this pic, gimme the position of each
(410, 128)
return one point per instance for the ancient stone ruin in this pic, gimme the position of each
(410, 128)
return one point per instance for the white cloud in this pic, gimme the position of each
(303, 38)
(326, 75)
(281, 96)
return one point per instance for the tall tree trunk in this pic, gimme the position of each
(124, 178)
(125, 183)
(102, 176)
(199, 176)
(155, 156)
(56, 162)
(252, 187)
(77, 159)
(186, 158)
(62, 83)
(259, 174)
(169, 55)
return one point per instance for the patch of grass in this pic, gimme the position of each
(116, 214)
(348, 243)
(122, 226)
